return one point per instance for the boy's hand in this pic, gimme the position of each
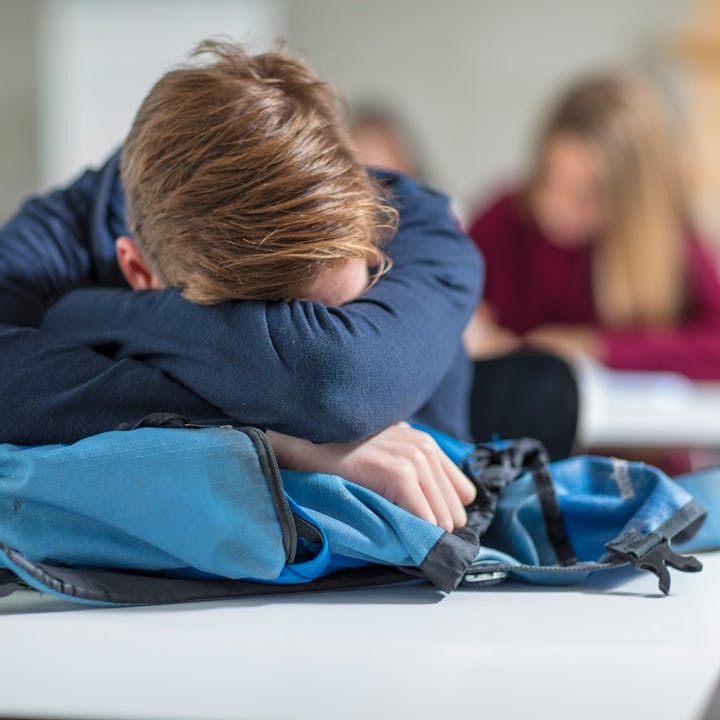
(402, 464)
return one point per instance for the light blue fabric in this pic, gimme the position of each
(148, 499)
(198, 503)
(190, 503)
(599, 498)
(705, 488)
(359, 523)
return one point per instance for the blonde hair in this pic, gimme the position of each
(639, 273)
(241, 182)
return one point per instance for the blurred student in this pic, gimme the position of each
(383, 141)
(595, 253)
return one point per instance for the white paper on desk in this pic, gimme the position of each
(620, 408)
(622, 386)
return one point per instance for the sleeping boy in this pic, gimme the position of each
(244, 194)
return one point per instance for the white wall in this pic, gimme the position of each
(471, 76)
(98, 59)
(18, 110)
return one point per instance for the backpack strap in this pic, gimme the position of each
(493, 465)
(652, 551)
(538, 462)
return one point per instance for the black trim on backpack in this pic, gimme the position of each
(120, 587)
(450, 557)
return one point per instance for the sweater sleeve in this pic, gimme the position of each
(56, 391)
(44, 251)
(53, 390)
(323, 373)
(693, 347)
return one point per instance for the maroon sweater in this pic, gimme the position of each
(531, 282)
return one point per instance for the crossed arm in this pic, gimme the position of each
(322, 373)
(100, 356)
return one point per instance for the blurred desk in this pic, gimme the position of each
(644, 409)
(612, 648)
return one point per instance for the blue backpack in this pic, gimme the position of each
(171, 513)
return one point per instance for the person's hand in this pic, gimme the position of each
(483, 338)
(567, 341)
(404, 465)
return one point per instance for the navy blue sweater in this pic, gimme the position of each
(80, 352)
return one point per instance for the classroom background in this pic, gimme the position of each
(467, 78)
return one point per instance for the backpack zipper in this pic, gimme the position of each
(271, 470)
(268, 464)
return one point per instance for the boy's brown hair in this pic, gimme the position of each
(241, 182)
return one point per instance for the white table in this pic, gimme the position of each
(646, 409)
(608, 650)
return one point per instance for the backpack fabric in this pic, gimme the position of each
(705, 488)
(178, 513)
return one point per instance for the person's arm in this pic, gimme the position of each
(53, 390)
(691, 348)
(325, 374)
(53, 244)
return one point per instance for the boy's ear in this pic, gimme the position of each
(133, 266)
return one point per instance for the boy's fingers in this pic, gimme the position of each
(428, 480)
(448, 490)
(414, 501)
(464, 487)
(446, 487)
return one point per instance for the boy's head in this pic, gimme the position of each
(241, 183)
